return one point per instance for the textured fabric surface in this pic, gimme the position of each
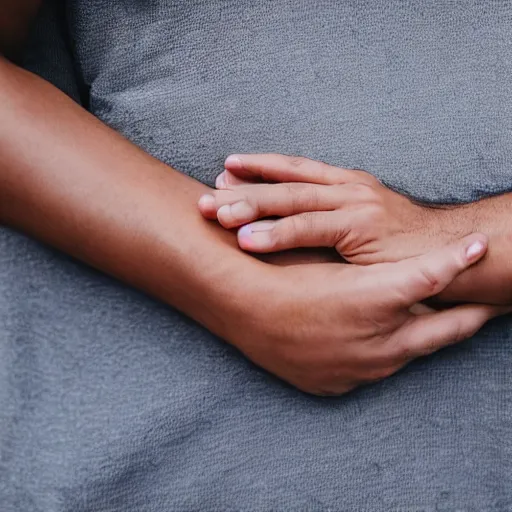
(48, 53)
(110, 401)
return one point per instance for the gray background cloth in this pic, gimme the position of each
(110, 401)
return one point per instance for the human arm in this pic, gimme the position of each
(329, 328)
(71, 181)
(365, 221)
(67, 179)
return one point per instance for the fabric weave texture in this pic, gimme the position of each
(110, 401)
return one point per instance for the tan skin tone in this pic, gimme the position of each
(366, 222)
(72, 182)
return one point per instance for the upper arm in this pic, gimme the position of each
(15, 18)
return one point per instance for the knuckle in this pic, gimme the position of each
(361, 189)
(287, 231)
(367, 177)
(305, 222)
(311, 198)
(317, 170)
(429, 280)
(295, 195)
(290, 188)
(363, 192)
(293, 192)
(326, 173)
(297, 161)
(302, 196)
(297, 224)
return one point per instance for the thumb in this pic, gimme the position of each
(430, 332)
(416, 279)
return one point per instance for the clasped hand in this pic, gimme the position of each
(328, 328)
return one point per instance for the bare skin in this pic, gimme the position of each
(366, 222)
(72, 182)
(328, 341)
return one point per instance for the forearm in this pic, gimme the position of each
(69, 180)
(489, 281)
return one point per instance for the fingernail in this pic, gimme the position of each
(474, 250)
(233, 161)
(206, 202)
(220, 182)
(257, 235)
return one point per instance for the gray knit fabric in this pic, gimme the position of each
(110, 401)
(48, 51)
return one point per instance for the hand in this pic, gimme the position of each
(329, 328)
(324, 206)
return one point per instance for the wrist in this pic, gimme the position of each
(224, 294)
(490, 280)
(447, 223)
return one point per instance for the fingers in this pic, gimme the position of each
(234, 208)
(428, 333)
(227, 180)
(315, 229)
(416, 279)
(274, 167)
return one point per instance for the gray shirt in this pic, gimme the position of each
(111, 401)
